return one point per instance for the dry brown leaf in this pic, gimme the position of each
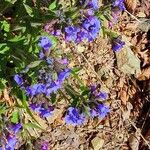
(124, 94)
(131, 5)
(6, 97)
(134, 140)
(145, 56)
(145, 74)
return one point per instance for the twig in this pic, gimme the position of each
(92, 68)
(132, 16)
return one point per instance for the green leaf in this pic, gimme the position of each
(15, 117)
(32, 125)
(53, 98)
(2, 109)
(3, 48)
(52, 6)
(28, 10)
(17, 39)
(2, 84)
(34, 64)
(5, 26)
(11, 1)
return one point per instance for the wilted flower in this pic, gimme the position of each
(18, 79)
(102, 111)
(71, 33)
(45, 43)
(117, 44)
(73, 117)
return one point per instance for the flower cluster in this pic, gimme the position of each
(75, 116)
(46, 84)
(11, 139)
(89, 27)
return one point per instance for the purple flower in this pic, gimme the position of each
(41, 110)
(119, 4)
(11, 142)
(46, 112)
(41, 55)
(102, 95)
(45, 43)
(18, 79)
(44, 145)
(93, 4)
(56, 32)
(73, 117)
(117, 45)
(91, 27)
(63, 75)
(102, 111)
(53, 87)
(93, 113)
(35, 107)
(64, 61)
(35, 89)
(71, 33)
(15, 128)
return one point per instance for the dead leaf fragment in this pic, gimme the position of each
(7, 97)
(124, 94)
(127, 62)
(134, 140)
(145, 74)
(97, 143)
(131, 5)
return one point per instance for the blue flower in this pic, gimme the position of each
(102, 95)
(119, 4)
(11, 142)
(71, 33)
(15, 128)
(73, 117)
(102, 111)
(45, 112)
(117, 45)
(35, 89)
(41, 110)
(44, 146)
(93, 113)
(63, 75)
(18, 79)
(91, 27)
(52, 88)
(45, 43)
(93, 4)
(35, 107)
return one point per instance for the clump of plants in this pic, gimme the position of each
(36, 71)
